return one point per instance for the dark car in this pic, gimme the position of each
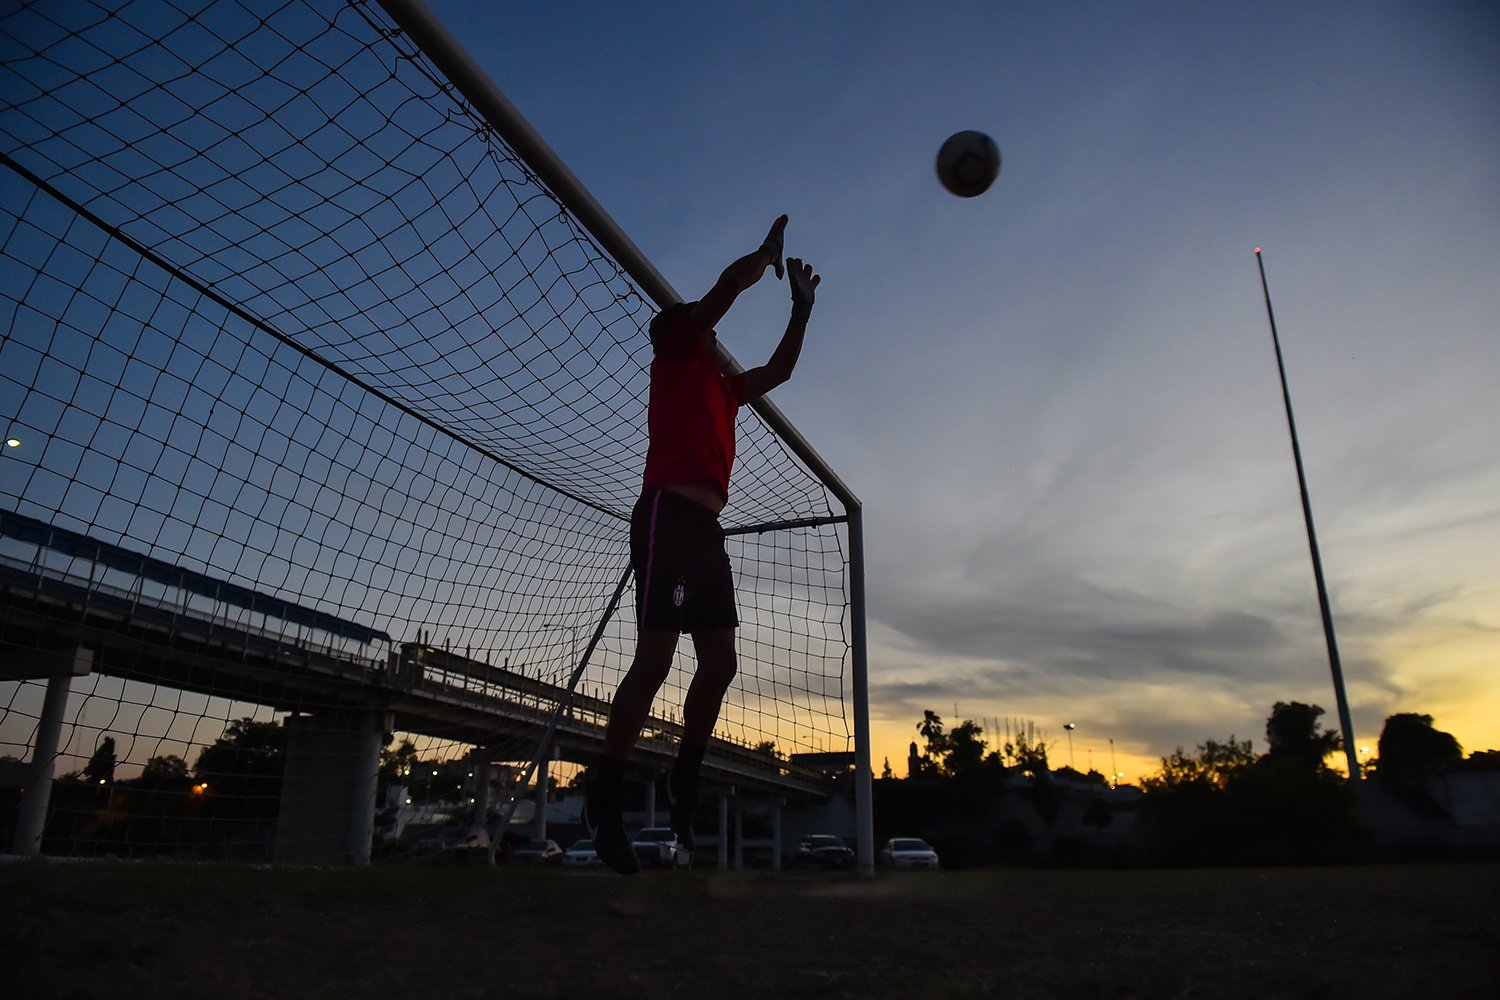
(824, 850)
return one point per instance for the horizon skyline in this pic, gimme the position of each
(1130, 553)
(1056, 400)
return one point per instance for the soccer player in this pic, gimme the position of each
(683, 581)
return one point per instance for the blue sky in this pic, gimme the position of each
(1059, 401)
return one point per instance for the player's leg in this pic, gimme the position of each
(705, 696)
(711, 618)
(605, 805)
(655, 559)
(637, 690)
(700, 712)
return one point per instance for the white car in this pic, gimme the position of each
(908, 852)
(658, 847)
(581, 855)
(537, 852)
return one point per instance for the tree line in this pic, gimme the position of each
(1222, 804)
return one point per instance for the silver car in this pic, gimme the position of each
(908, 852)
(581, 855)
(658, 847)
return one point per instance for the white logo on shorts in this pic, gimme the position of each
(678, 595)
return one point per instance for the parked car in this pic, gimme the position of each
(824, 850)
(908, 852)
(457, 843)
(658, 847)
(537, 852)
(581, 855)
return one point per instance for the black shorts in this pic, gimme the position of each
(683, 582)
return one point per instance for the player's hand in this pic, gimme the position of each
(804, 283)
(773, 242)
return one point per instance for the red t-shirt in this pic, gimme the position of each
(690, 413)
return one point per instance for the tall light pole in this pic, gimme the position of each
(572, 629)
(1312, 543)
(1070, 727)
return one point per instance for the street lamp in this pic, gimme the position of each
(1070, 727)
(572, 629)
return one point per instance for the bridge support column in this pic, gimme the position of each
(31, 817)
(481, 786)
(649, 806)
(543, 781)
(776, 811)
(724, 832)
(328, 791)
(739, 837)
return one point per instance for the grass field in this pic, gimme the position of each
(127, 930)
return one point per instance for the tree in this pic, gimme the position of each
(1481, 760)
(247, 747)
(1224, 805)
(767, 747)
(1031, 760)
(397, 765)
(1030, 757)
(1410, 747)
(1214, 766)
(101, 766)
(165, 773)
(931, 730)
(965, 751)
(1292, 733)
(242, 769)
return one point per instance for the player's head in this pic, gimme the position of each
(666, 319)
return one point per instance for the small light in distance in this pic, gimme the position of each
(1257, 249)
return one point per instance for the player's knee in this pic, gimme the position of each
(651, 670)
(721, 667)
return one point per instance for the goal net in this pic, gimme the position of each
(324, 417)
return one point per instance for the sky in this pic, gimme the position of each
(1059, 401)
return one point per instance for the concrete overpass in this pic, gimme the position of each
(117, 612)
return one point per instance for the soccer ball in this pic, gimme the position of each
(968, 163)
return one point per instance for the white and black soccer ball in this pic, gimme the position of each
(968, 163)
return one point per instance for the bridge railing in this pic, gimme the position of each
(60, 576)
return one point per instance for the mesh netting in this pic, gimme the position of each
(321, 406)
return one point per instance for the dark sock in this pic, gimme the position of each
(606, 784)
(685, 770)
(603, 810)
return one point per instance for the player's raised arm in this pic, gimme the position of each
(804, 284)
(737, 277)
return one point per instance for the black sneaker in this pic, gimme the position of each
(682, 806)
(611, 842)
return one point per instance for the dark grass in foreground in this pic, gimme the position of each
(144, 930)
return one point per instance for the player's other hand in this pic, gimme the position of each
(772, 245)
(804, 283)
